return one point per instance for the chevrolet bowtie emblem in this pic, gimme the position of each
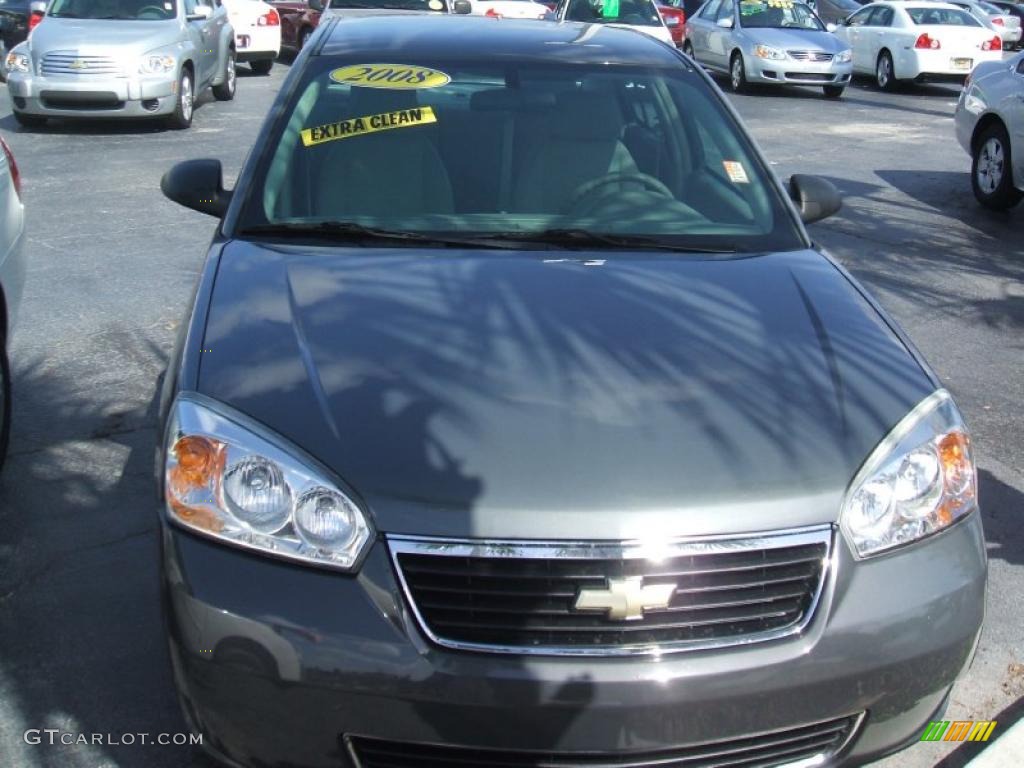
(625, 598)
(78, 64)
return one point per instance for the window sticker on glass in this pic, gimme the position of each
(736, 172)
(390, 76)
(357, 126)
(610, 9)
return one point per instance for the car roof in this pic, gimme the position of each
(468, 38)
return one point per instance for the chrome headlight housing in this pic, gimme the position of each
(845, 56)
(229, 478)
(18, 61)
(157, 63)
(767, 52)
(919, 480)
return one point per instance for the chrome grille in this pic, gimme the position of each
(520, 596)
(810, 55)
(72, 63)
(805, 745)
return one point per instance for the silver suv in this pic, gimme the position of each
(122, 58)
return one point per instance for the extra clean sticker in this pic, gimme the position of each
(391, 76)
(357, 126)
(736, 172)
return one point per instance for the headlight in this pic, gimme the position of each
(228, 478)
(844, 56)
(155, 64)
(767, 52)
(18, 62)
(920, 479)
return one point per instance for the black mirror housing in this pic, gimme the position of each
(815, 198)
(462, 7)
(199, 185)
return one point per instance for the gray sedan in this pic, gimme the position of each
(990, 126)
(12, 276)
(768, 41)
(122, 58)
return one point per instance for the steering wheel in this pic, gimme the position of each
(589, 189)
(160, 12)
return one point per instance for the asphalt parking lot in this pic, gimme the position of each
(112, 266)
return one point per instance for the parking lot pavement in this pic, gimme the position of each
(112, 265)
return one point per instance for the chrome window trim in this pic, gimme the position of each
(603, 549)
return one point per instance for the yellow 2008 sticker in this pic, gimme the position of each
(392, 76)
(357, 126)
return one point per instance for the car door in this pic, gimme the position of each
(200, 31)
(699, 28)
(720, 38)
(1014, 111)
(859, 35)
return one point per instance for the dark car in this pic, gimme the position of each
(17, 19)
(834, 11)
(571, 449)
(298, 20)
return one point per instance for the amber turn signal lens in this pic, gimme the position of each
(197, 516)
(199, 459)
(957, 468)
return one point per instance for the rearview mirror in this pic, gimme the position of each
(199, 185)
(815, 198)
(725, 23)
(316, 5)
(200, 13)
(462, 7)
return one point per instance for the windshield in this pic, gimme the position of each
(774, 14)
(125, 10)
(513, 151)
(403, 5)
(637, 13)
(942, 17)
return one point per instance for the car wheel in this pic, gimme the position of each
(688, 48)
(992, 170)
(29, 121)
(304, 37)
(5, 403)
(182, 115)
(262, 67)
(885, 73)
(226, 90)
(737, 74)
(833, 91)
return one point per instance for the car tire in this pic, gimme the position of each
(5, 405)
(688, 49)
(885, 72)
(738, 74)
(833, 91)
(29, 121)
(992, 169)
(185, 105)
(226, 90)
(262, 67)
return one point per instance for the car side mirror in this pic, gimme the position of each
(199, 185)
(316, 5)
(37, 6)
(200, 13)
(830, 27)
(725, 23)
(462, 7)
(815, 198)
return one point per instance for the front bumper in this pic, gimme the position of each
(93, 96)
(277, 663)
(792, 72)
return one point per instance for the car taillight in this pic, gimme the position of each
(15, 173)
(34, 19)
(924, 41)
(998, 21)
(995, 44)
(269, 19)
(492, 13)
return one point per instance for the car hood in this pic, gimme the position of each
(796, 39)
(102, 37)
(558, 394)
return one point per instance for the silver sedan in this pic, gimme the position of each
(990, 126)
(768, 41)
(12, 277)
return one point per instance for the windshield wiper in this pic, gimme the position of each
(584, 238)
(350, 232)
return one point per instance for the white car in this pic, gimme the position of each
(257, 32)
(1006, 25)
(641, 15)
(990, 126)
(510, 9)
(902, 41)
(12, 277)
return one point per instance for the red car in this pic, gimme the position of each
(671, 11)
(298, 20)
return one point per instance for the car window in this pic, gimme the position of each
(990, 9)
(124, 10)
(769, 14)
(710, 11)
(1020, 67)
(725, 10)
(634, 151)
(860, 18)
(942, 17)
(882, 17)
(640, 13)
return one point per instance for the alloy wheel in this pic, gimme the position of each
(736, 73)
(991, 161)
(883, 72)
(186, 96)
